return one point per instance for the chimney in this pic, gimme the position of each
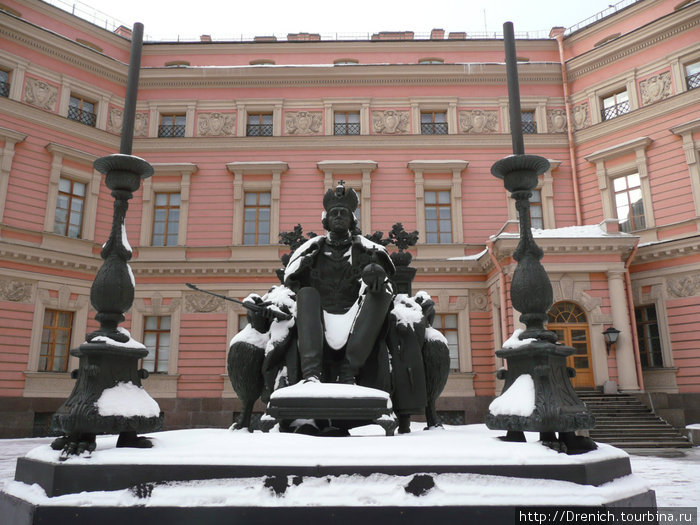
(437, 34)
(460, 35)
(205, 38)
(123, 31)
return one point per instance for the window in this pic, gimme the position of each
(259, 125)
(346, 123)
(69, 208)
(82, 111)
(629, 203)
(166, 219)
(528, 122)
(692, 75)
(536, 212)
(55, 341)
(156, 338)
(4, 83)
(615, 105)
(172, 125)
(256, 223)
(438, 217)
(447, 325)
(648, 336)
(433, 123)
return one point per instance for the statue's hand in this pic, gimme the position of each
(374, 276)
(260, 319)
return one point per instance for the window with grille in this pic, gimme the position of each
(4, 83)
(70, 204)
(433, 123)
(172, 125)
(528, 122)
(536, 216)
(259, 125)
(346, 123)
(55, 341)
(156, 338)
(648, 336)
(615, 105)
(629, 203)
(82, 111)
(447, 325)
(256, 218)
(166, 219)
(438, 217)
(692, 75)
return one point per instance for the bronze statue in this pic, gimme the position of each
(337, 318)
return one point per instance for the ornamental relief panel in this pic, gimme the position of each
(683, 286)
(216, 125)
(580, 117)
(115, 119)
(478, 301)
(390, 122)
(478, 121)
(556, 120)
(655, 88)
(303, 123)
(40, 94)
(202, 303)
(16, 291)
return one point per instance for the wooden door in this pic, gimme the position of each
(568, 321)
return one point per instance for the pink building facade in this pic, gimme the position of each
(245, 137)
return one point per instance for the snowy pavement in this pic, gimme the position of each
(676, 479)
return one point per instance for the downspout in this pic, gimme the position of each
(502, 292)
(569, 128)
(633, 320)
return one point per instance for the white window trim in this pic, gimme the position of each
(443, 305)
(536, 104)
(90, 177)
(545, 185)
(691, 148)
(334, 169)
(159, 385)
(10, 138)
(605, 175)
(80, 89)
(454, 184)
(678, 65)
(330, 106)
(657, 298)
(55, 384)
(17, 68)
(616, 85)
(241, 185)
(169, 108)
(153, 185)
(259, 106)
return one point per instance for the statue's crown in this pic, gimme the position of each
(340, 197)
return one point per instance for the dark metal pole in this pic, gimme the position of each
(516, 127)
(132, 87)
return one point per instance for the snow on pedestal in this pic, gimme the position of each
(128, 400)
(518, 400)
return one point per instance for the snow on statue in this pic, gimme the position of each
(345, 324)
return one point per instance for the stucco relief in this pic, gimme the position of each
(655, 88)
(40, 94)
(556, 119)
(478, 301)
(478, 121)
(390, 122)
(684, 286)
(216, 125)
(115, 120)
(15, 291)
(303, 123)
(580, 116)
(201, 303)
(141, 125)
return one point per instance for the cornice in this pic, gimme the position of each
(63, 125)
(618, 150)
(61, 48)
(379, 74)
(12, 135)
(634, 42)
(71, 153)
(609, 22)
(668, 249)
(163, 168)
(687, 127)
(505, 245)
(345, 167)
(351, 143)
(433, 166)
(638, 116)
(257, 167)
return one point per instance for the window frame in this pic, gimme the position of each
(433, 124)
(644, 350)
(158, 331)
(438, 206)
(620, 108)
(55, 328)
(71, 197)
(261, 125)
(695, 81)
(529, 127)
(176, 130)
(632, 218)
(443, 329)
(257, 206)
(5, 85)
(346, 113)
(78, 114)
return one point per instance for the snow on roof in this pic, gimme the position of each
(569, 232)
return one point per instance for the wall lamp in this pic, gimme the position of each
(610, 334)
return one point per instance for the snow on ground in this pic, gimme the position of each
(676, 480)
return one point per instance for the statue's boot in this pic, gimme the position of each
(365, 330)
(310, 332)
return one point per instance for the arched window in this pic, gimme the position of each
(566, 312)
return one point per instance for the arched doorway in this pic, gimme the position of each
(569, 322)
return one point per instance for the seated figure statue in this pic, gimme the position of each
(345, 324)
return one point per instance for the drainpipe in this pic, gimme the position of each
(502, 292)
(558, 33)
(633, 320)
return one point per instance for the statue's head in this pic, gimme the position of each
(340, 205)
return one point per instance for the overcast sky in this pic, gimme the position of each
(166, 20)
